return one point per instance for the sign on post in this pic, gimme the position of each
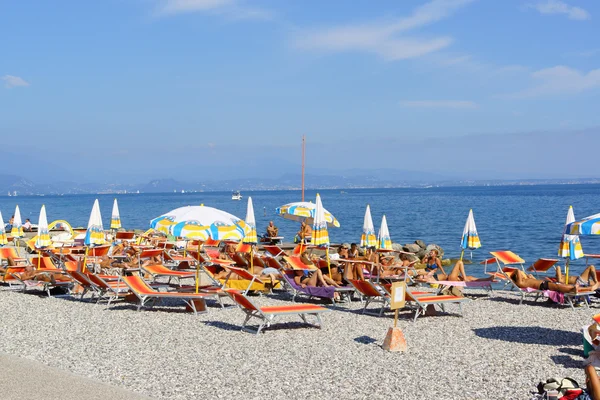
(398, 298)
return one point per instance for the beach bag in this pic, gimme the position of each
(567, 388)
(452, 291)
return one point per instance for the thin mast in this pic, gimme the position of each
(303, 155)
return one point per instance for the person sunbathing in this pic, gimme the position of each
(586, 278)
(433, 262)
(272, 230)
(458, 274)
(31, 274)
(313, 278)
(524, 281)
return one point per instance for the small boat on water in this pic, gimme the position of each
(236, 195)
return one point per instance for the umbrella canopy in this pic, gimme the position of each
(17, 226)
(587, 226)
(43, 235)
(305, 211)
(3, 239)
(201, 223)
(470, 238)
(384, 241)
(94, 236)
(115, 218)
(570, 246)
(251, 236)
(368, 238)
(320, 236)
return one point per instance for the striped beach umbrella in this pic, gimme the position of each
(320, 235)
(304, 211)
(368, 238)
(3, 239)
(251, 236)
(570, 246)
(470, 238)
(384, 241)
(43, 234)
(201, 223)
(94, 236)
(587, 226)
(17, 226)
(115, 218)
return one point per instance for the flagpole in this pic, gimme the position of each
(303, 158)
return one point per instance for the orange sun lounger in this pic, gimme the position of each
(267, 314)
(146, 294)
(160, 270)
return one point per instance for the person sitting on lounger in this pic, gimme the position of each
(31, 274)
(272, 230)
(458, 274)
(523, 280)
(304, 233)
(353, 252)
(433, 262)
(313, 278)
(585, 279)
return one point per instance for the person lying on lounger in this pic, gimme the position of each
(457, 274)
(313, 278)
(31, 274)
(523, 280)
(585, 279)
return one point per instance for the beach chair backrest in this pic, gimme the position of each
(80, 277)
(99, 251)
(245, 274)
(507, 257)
(542, 265)
(6, 252)
(42, 262)
(12, 270)
(365, 287)
(212, 253)
(275, 251)
(273, 263)
(212, 243)
(149, 253)
(243, 247)
(239, 259)
(296, 263)
(96, 280)
(242, 300)
(137, 285)
(124, 235)
(71, 265)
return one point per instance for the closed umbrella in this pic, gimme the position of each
(570, 246)
(3, 239)
(320, 235)
(368, 238)
(251, 237)
(17, 226)
(115, 218)
(470, 238)
(94, 235)
(43, 234)
(384, 241)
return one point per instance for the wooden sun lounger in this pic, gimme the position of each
(146, 295)
(267, 314)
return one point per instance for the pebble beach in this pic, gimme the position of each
(496, 349)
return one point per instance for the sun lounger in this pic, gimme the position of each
(148, 295)
(109, 290)
(174, 258)
(267, 314)
(11, 252)
(422, 301)
(84, 282)
(542, 265)
(60, 282)
(371, 294)
(160, 270)
(273, 250)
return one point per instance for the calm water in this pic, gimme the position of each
(526, 219)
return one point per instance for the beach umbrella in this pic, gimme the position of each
(587, 226)
(320, 235)
(115, 218)
(94, 235)
(201, 223)
(43, 233)
(570, 246)
(251, 236)
(384, 241)
(3, 240)
(17, 226)
(368, 238)
(470, 238)
(304, 211)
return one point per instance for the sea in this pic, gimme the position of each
(527, 219)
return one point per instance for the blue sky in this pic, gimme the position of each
(185, 86)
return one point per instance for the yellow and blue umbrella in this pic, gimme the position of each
(3, 239)
(201, 223)
(470, 238)
(368, 238)
(251, 236)
(303, 211)
(43, 235)
(115, 218)
(384, 241)
(570, 246)
(320, 235)
(94, 235)
(17, 226)
(587, 226)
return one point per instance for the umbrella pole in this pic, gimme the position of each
(567, 272)
(197, 265)
(328, 261)
(39, 259)
(83, 268)
(462, 253)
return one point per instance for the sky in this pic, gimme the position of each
(141, 89)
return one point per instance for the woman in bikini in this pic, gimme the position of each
(587, 278)
(522, 280)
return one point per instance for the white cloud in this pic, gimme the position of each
(229, 8)
(549, 7)
(560, 80)
(11, 81)
(384, 38)
(456, 104)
